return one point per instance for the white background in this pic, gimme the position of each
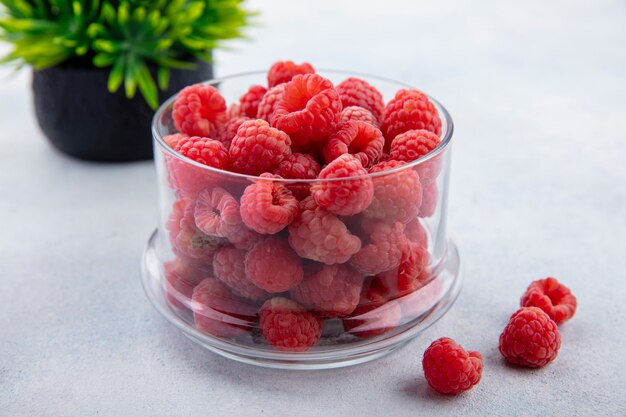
(537, 92)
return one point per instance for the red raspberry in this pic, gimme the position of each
(384, 249)
(449, 369)
(357, 113)
(229, 129)
(298, 166)
(258, 148)
(416, 233)
(554, 298)
(418, 302)
(250, 101)
(230, 269)
(308, 110)
(172, 140)
(267, 206)
(205, 151)
(245, 238)
(397, 195)
(284, 71)
(360, 139)
(181, 276)
(430, 197)
(412, 145)
(287, 326)
(217, 213)
(410, 275)
(409, 109)
(374, 315)
(319, 235)
(272, 265)
(530, 339)
(269, 101)
(357, 92)
(199, 110)
(233, 111)
(187, 240)
(329, 290)
(344, 197)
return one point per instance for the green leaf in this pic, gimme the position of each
(104, 45)
(116, 76)
(103, 60)
(163, 75)
(130, 76)
(147, 86)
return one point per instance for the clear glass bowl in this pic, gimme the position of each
(394, 274)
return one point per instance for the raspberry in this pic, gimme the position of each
(250, 100)
(449, 369)
(412, 145)
(319, 235)
(410, 275)
(430, 197)
(258, 148)
(530, 339)
(397, 195)
(329, 290)
(269, 101)
(360, 139)
(409, 109)
(230, 269)
(273, 266)
(245, 238)
(217, 213)
(229, 129)
(199, 110)
(416, 233)
(384, 249)
(267, 206)
(287, 326)
(374, 315)
(418, 302)
(205, 151)
(172, 140)
(308, 110)
(347, 196)
(187, 240)
(218, 312)
(554, 298)
(356, 92)
(284, 71)
(357, 113)
(298, 166)
(181, 276)
(233, 111)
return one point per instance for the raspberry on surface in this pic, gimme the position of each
(217, 213)
(187, 240)
(258, 148)
(358, 138)
(554, 298)
(409, 109)
(383, 250)
(450, 369)
(412, 145)
(356, 92)
(374, 315)
(267, 206)
(410, 275)
(287, 326)
(229, 267)
(199, 110)
(308, 110)
(531, 338)
(321, 236)
(181, 277)
(269, 101)
(430, 198)
(358, 113)
(329, 290)
(298, 166)
(283, 71)
(229, 129)
(397, 195)
(249, 102)
(205, 151)
(347, 196)
(273, 266)
(217, 311)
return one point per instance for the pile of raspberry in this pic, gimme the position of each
(312, 228)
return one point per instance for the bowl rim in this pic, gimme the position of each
(446, 133)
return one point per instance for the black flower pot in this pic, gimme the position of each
(82, 119)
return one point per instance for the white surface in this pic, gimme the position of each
(537, 93)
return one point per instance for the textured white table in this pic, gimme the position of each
(538, 188)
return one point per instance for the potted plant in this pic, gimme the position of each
(101, 67)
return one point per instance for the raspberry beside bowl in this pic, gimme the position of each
(353, 286)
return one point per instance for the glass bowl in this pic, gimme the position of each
(332, 288)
